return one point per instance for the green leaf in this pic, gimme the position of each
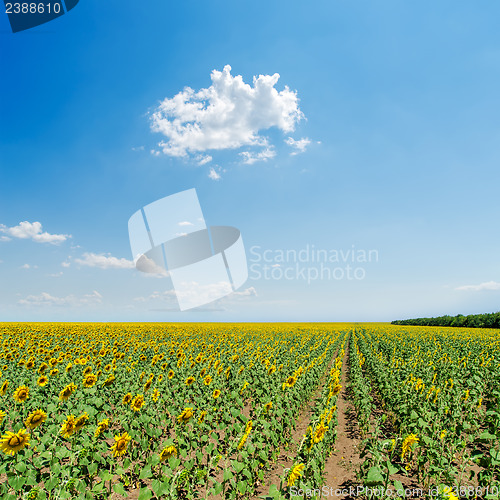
(145, 494)
(21, 467)
(51, 483)
(105, 475)
(227, 475)
(120, 489)
(17, 482)
(145, 473)
(398, 485)
(374, 477)
(242, 487)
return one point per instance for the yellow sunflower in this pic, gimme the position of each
(68, 427)
(207, 380)
(12, 442)
(121, 443)
(168, 452)
(109, 380)
(171, 374)
(21, 394)
(295, 472)
(127, 398)
(35, 419)
(216, 394)
(202, 416)
(190, 380)
(101, 427)
(2, 416)
(80, 421)
(3, 389)
(67, 391)
(137, 402)
(89, 380)
(42, 380)
(155, 395)
(185, 416)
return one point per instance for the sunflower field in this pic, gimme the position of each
(184, 411)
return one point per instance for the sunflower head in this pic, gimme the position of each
(21, 394)
(137, 402)
(216, 393)
(68, 427)
(42, 380)
(168, 452)
(127, 398)
(12, 442)
(171, 374)
(3, 389)
(35, 419)
(121, 443)
(185, 416)
(89, 380)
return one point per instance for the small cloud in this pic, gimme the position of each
(488, 285)
(104, 261)
(300, 146)
(213, 174)
(248, 292)
(32, 230)
(65, 263)
(155, 152)
(47, 300)
(27, 266)
(186, 223)
(202, 160)
(139, 148)
(55, 275)
(4, 238)
(250, 157)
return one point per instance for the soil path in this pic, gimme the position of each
(286, 456)
(341, 466)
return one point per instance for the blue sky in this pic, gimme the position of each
(396, 105)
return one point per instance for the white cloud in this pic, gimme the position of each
(56, 275)
(104, 261)
(248, 292)
(202, 160)
(27, 266)
(139, 148)
(45, 299)
(186, 223)
(300, 146)
(213, 174)
(65, 263)
(32, 230)
(250, 157)
(488, 285)
(227, 115)
(4, 238)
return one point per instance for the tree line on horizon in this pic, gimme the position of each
(486, 320)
